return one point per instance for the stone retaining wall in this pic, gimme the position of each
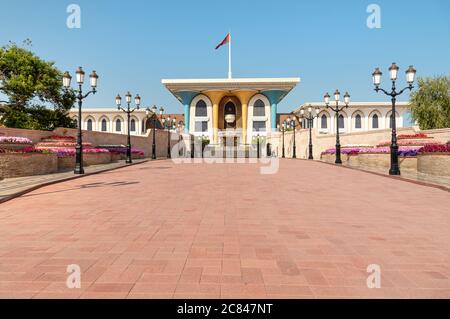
(19, 165)
(384, 161)
(68, 162)
(434, 164)
(372, 161)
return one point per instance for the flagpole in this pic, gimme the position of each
(229, 58)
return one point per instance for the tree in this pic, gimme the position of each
(430, 104)
(31, 84)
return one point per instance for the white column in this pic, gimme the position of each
(350, 124)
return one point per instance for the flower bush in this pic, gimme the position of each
(61, 144)
(26, 150)
(346, 151)
(411, 136)
(403, 150)
(122, 150)
(15, 140)
(433, 148)
(61, 137)
(66, 152)
(356, 146)
(409, 143)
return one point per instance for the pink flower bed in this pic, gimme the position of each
(61, 144)
(15, 140)
(66, 152)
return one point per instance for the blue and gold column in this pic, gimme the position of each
(274, 96)
(186, 98)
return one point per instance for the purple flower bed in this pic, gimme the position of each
(404, 151)
(347, 151)
(15, 140)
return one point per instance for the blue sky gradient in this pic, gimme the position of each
(134, 44)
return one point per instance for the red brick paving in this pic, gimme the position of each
(160, 230)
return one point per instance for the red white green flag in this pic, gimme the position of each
(225, 41)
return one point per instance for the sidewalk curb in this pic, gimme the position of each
(7, 198)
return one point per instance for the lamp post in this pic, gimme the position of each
(393, 72)
(93, 77)
(128, 111)
(337, 109)
(283, 130)
(180, 129)
(154, 111)
(292, 123)
(169, 123)
(257, 147)
(310, 116)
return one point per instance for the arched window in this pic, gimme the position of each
(375, 124)
(133, 125)
(259, 109)
(341, 121)
(89, 125)
(358, 123)
(118, 125)
(200, 109)
(104, 125)
(323, 121)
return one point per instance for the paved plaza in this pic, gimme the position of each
(162, 230)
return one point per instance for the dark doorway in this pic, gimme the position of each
(230, 116)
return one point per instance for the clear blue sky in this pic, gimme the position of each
(134, 44)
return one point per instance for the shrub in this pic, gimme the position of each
(26, 150)
(66, 152)
(15, 140)
(408, 143)
(433, 148)
(60, 137)
(412, 136)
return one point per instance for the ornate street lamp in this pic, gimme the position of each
(93, 77)
(337, 109)
(292, 123)
(310, 116)
(257, 147)
(169, 124)
(180, 127)
(283, 130)
(128, 110)
(393, 72)
(153, 111)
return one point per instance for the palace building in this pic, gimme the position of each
(236, 109)
(359, 117)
